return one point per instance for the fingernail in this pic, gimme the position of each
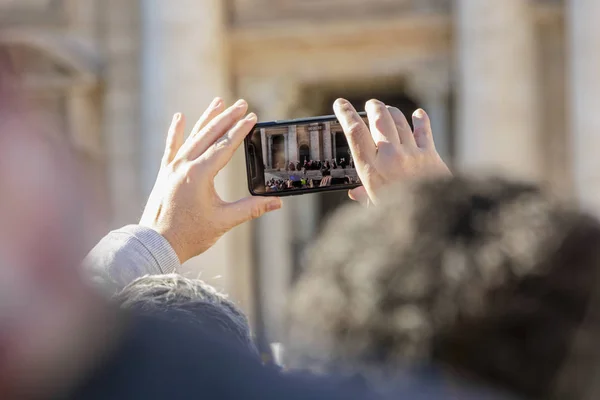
(176, 117)
(251, 117)
(274, 204)
(419, 113)
(216, 102)
(342, 102)
(240, 103)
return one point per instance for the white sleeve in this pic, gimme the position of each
(127, 254)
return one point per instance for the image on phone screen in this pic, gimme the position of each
(295, 157)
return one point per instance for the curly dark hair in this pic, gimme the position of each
(487, 278)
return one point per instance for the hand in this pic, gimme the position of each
(389, 151)
(184, 206)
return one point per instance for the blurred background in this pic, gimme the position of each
(509, 84)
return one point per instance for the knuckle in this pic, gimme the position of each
(256, 211)
(403, 128)
(379, 122)
(222, 143)
(190, 171)
(169, 168)
(354, 128)
(174, 166)
(414, 159)
(396, 153)
(388, 150)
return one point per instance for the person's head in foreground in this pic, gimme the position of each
(192, 301)
(484, 281)
(48, 316)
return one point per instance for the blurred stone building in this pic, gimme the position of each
(513, 84)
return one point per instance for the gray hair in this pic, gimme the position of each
(188, 300)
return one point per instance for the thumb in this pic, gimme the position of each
(250, 208)
(359, 195)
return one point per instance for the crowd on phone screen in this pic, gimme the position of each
(295, 182)
(302, 179)
(448, 288)
(318, 165)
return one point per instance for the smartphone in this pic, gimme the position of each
(288, 158)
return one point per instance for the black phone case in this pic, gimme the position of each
(298, 121)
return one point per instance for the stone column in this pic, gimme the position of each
(327, 153)
(498, 115)
(285, 149)
(263, 142)
(121, 128)
(584, 42)
(84, 19)
(315, 145)
(334, 146)
(270, 152)
(293, 144)
(85, 129)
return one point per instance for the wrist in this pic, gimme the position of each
(178, 248)
(169, 242)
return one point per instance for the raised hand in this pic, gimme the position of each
(388, 150)
(184, 205)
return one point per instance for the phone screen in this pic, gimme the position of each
(288, 158)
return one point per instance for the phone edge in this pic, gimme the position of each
(296, 121)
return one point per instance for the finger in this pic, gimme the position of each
(215, 129)
(359, 195)
(250, 208)
(224, 148)
(423, 134)
(404, 131)
(383, 127)
(215, 108)
(359, 138)
(174, 138)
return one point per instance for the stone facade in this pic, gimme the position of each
(497, 93)
(316, 140)
(507, 84)
(584, 100)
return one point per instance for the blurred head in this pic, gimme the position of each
(42, 295)
(486, 279)
(188, 300)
